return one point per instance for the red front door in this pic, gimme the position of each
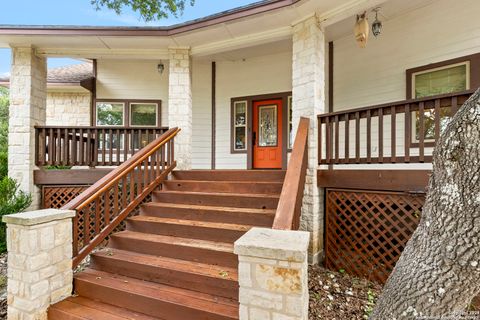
(267, 134)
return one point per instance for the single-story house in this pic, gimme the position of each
(198, 150)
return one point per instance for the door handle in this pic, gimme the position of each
(254, 138)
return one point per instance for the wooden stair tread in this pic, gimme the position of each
(210, 208)
(83, 308)
(227, 181)
(203, 269)
(193, 223)
(230, 175)
(160, 292)
(194, 243)
(237, 195)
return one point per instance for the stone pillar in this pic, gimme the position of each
(308, 100)
(273, 274)
(180, 104)
(28, 96)
(39, 245)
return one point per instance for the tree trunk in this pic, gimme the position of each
(438, 273)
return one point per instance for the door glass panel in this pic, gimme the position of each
(267, 123)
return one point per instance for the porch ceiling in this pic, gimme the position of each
(229, 32)
(388, 10)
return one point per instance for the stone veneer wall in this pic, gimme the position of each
(39, 245)
(28, 95)
(273, 274)
(308, 98)
(68, 109)
(180, 104)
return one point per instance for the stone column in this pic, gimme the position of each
(180, 104)
(39, 245)
(28, 96)
(273, 274)
(308, 100)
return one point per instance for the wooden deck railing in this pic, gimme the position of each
(287, 216)
(399, 132)
(90, 146)
(104, 205)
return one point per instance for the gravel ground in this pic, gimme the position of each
(338, 296)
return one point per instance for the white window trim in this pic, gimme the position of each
(109, 125)
(141, 126)
(235, 126)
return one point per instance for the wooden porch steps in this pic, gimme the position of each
(175, 260)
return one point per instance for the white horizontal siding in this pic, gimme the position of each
(440, 31)
(202, 115)
(377, 74)
(254, 76)
(133, 79)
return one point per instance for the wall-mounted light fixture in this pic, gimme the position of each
(377, 24)
(160, 67)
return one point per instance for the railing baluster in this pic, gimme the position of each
(347, 138)
(380, 135)
(393, 127)
(408, 132)
(81, 149)
(437, 119)
(106, 209)
(73, 154)
(50, 147)
(66, 148)
(119, 146)
(110, 151)
(126, 141)
(328, 141)
(454, 108)
(320, 142)
(369, 136)
(104, 147)
(357, 137)
(59, 146)
(421, 133)
(337, 129)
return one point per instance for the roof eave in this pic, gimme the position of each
(238, 13)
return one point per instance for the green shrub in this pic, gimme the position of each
(12, 200)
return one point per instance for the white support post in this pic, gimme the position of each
(39, 245)
(273, 274)
(180, 104)
(308, 100)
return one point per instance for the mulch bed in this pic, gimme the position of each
(3, 286)
(339, 296)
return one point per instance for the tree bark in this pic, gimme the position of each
(438, 273)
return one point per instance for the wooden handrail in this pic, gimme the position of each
(104, 205)
(287, 216)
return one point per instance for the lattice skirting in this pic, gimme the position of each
(366, 231)
(58, 196)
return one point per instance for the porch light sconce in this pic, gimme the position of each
(361, 30)
(377, 24)
(160, 68)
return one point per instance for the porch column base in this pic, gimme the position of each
(273, 274)
(39, 245)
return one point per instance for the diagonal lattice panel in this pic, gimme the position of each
(366, 231)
